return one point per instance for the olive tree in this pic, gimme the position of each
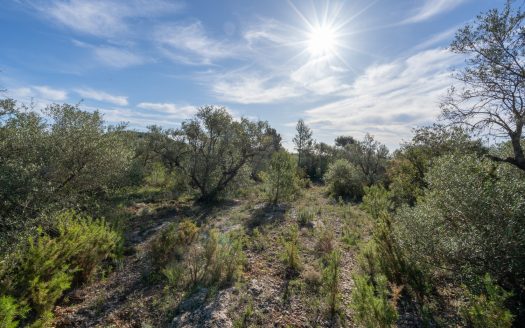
(64, 157)
(218, 147)
(491, 93)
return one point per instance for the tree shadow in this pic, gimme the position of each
(265, 214)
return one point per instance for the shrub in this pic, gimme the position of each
(370, 303)
(290, 255)
(259, 241)
(331, 277)
(280, 181)
(325, 240)
(344, 180)
(487, 310)
(376, 200)
(312, 278)
(217, 260)
(471, 220)
(171, 243)
(305, 218)
(46, 265)
(350, 236)
(11, 312)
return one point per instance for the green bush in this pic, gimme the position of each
(172, 242)
(11, 312)
(487, 310)
(471, 220)
(280, 181)
(216, 260)
(290, 255)
(371, 305)
(305, 217)
(331, 281)
(40, 270)
(376, 200)
(344, 180)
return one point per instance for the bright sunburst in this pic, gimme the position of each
(322, 41)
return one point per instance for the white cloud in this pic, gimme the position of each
(174, 111)
(116, 57)
(249, 88)
(105, 18)
(189, 44)
(432, 8)
(388, 100)
(102, 96)
(51, 93)
(41, 94)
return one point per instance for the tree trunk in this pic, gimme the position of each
(518, 151)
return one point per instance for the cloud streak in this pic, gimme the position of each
(102, 96)
(389, 99)
(431, 8)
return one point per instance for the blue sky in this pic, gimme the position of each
(345, 67)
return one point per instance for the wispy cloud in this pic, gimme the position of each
(103, 18)
(53, 94)
(190, 44)
(102, 96)
(431, 8)
(389, 99)
(173, 110)
(247, 88)
(117, 57)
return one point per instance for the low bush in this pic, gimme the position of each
(11, 312)
(371, 304)
(325, 241)
(344, 180)
(216, 260)
(290, 255)
(331, 283)
(376, 200)
(487, 310)
(43, 268)
(305, 217)
(172, 242)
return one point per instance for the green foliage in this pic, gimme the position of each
(290, 255)
(331, 281)
(370, 157)
(412, 161)
(305, 217)
(65, 158)
(376, 201)
(41, 270)
(344, 180)
(371, 305)
(487, 310)
(325, 240)
(471, 220)
(11, 312)
(280, 181)
(259, 241)
(216, 260)
(172, 242)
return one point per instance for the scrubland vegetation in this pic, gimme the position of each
(215, 222)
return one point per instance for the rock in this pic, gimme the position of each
(211, 315)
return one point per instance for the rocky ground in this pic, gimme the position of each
(265, 295)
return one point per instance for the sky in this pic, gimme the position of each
(345, 67)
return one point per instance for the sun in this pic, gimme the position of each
(322, 41)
